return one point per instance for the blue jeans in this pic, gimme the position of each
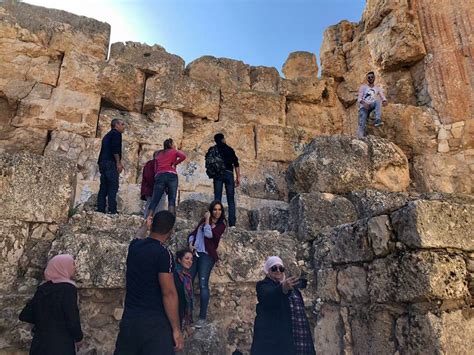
(226, 179)
(163, 182)
(202, 265)
(109, 185)
(160, 207)
(364, 114)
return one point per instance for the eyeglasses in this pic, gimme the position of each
(277, 268)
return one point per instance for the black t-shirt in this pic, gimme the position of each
(145, 260)
(229, 157)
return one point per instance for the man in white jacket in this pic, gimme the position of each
(371, 97)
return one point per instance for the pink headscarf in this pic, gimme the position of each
(271, 261)
(60, 269)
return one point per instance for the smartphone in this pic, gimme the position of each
(302, 283)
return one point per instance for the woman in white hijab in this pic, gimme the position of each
(281, 326)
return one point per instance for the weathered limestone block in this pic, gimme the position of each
(184, 94)
(352, 285)
(150, 59)
(435, 224)
(333, 61)
(400, 88)
(444, 172)
(380, 235)
(192, 174)
(269, 218)
(65, 109)
(343, 244)
(309, 213)
(266, 79)
(35, 188)
(280, 144)
(13, 238)
(207, 340)
(14, 334)
(326, 285)
(376, 10)
(200, 136)
(261, 179)
(153, 129)
(329, 330)
(403, 42)
(14, 140)
(369, 203)
(83, 151)
(417, 277)
(311, 90)
(56, 29)
(316, 119)
(227, 74)
(245, 252)
(300, 65)
(409, 127)
(252, 107)
(120, 84)
(339, 164)
(415, 332)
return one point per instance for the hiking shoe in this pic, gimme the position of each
(200, 323)
(378, 123)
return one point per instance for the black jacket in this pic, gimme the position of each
(228, 155)
(111, 144)
(272, 328)
(54, 312)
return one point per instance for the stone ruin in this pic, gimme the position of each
(382, 226)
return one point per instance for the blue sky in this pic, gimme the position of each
(259, 32)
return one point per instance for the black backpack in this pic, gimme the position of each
(215, 165)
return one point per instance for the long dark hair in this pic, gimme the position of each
(167, 144)
(222, 217)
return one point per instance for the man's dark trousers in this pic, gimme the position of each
(109, 185)
(226, 179)
(147, 335)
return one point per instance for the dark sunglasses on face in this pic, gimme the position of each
(277, 268)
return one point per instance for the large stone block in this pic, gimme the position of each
(435, 224)
(347, 243)
(418, 277)
(59, 30)
(150, 59)
(184, 94)
(13, 238)
(369, 203)
(14, 140)
(316, 119)
(300, 65)
(328, 333)
(261, 179)
(266, 79)
(380, 235)
(310, 90)
(252, 107)
(280, 144)
(227, 74)
(352, 285)
(36, 188)
(311, 212)
(339, 164)
(326, 285)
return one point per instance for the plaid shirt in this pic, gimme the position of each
(301, 332)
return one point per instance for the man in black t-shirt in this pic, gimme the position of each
(227, 178)
(150, 322)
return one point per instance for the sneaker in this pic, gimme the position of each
(378, 123)
(200, 323)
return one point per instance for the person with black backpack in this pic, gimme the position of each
(220, 164)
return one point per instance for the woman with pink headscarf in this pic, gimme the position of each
(281, 326)
(53, 310)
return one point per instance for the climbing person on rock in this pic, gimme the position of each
(371, 97)
(166, 177)
(150, 321)
(184, 286)
(221, 161)
(110, 167)
(148, 182)
(53, 310)
(204, 241)
(281, 326)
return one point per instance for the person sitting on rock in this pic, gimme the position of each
(371, 97)
(184, 286)
(53, 310)
(204, 241)
(166, 177)
(281, 326)
(148, 181)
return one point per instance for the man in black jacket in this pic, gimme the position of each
(110, 167)
(227, 178)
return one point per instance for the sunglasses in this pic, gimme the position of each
(277, 268)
